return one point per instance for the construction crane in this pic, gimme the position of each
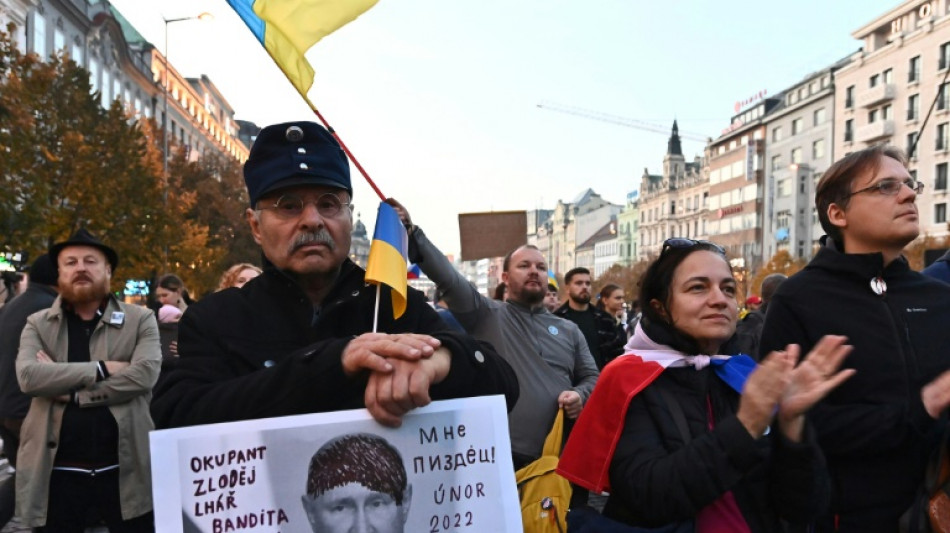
(620, 121)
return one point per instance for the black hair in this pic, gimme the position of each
(655, 285)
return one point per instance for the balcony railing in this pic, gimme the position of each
(875, 131)
(876, 95)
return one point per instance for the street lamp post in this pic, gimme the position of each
(165, 119)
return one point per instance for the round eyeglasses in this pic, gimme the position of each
(287, 206)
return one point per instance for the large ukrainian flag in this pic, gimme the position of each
(387, 256)
(288, 28)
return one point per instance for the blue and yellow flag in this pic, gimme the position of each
(387, 256)
(288, 28)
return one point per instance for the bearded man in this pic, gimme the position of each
(89, 362)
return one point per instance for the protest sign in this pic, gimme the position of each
(256, 475)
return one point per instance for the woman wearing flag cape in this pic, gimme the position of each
(684, 439)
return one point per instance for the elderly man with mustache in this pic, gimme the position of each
(297, 339)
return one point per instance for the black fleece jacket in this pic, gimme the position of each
(873, 429)
(255, 352)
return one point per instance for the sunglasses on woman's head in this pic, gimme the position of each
(680, 243)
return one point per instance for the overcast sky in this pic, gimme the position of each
(438, 99)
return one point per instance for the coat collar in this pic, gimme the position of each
(867, 266)
(112, 313)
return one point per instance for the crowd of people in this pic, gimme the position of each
(818, 409)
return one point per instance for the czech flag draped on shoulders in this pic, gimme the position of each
(586, 457)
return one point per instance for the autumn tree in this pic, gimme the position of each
(69, 163)
(914, 252)
(780, 263)
(217, 234)
(628, 277)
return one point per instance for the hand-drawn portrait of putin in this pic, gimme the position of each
(357, 482)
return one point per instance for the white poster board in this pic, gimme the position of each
(251, 475)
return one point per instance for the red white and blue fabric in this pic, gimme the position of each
(586, 457)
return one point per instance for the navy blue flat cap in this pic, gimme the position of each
(292, 154)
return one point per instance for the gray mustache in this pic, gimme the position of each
(321, 236)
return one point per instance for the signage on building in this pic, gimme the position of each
(736, 124)
(923, 12)
(750, 160)
(731, 210)
(752, 99)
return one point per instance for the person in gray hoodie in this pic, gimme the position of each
(549, 355)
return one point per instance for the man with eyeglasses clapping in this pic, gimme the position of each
(297, 339)
(879, 428)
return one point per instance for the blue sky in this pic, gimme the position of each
(438, 99)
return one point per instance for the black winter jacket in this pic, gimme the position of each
(873, 429)
(13, 403)
(252, 352)
(610, 335)
(656, 478)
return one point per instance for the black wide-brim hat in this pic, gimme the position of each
(83, 238)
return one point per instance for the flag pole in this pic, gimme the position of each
(376, 312)
(330, 129)
(349, 154)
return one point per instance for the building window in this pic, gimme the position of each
(886, 112)
(943, 96)
(76, 53)
(942, 131)
(874, 80)
(818, 149)
(783, 187)
(776, 134)
(782, 219)
(94, 74)
(797, 126)
(849, 97)
(940, 177)
(819, 116)
(944, 56)
(913, 71)
(911, 141)
(913, 106)
(39, 34)
(848, 130)
(940, 213)
(872, 116)
(888, 76)
(106, 87)
(776, 162)
(59, 40)
(796, 155)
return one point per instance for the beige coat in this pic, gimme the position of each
(132, 337)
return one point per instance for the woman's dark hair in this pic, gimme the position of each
(605, 293)
(171, 282)
(500, 291)
(655, 285)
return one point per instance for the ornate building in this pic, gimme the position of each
(673, 204)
